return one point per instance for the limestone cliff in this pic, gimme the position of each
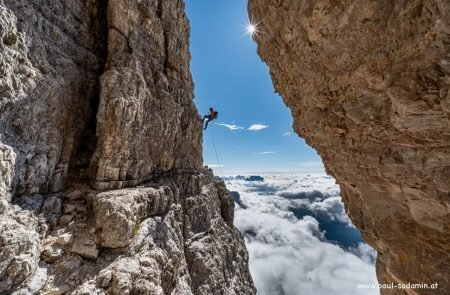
(367, 83)
(102, 185)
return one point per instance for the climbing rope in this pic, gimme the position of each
(215, 150)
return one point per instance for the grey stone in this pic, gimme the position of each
(19, 253)
(64, 239)
(85, 247)
(32, 203)
(37, 281)
(119, 212)
(7, 163)
(58, 290)
(68, 208)
(52, 206)
(74, 195)
(51, 253)
(81, 208)
(66, 219)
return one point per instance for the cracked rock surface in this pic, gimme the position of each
(367, 83)
(102, 184)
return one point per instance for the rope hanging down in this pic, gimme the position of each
(215, 150)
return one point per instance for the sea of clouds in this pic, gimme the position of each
(300, 240)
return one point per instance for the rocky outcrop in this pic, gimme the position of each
(102, 185)
(153, 239)
(367, 83)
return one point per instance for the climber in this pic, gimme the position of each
(211, 116)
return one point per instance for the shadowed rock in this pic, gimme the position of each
(96, 98)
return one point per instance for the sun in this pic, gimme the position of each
(251, 29)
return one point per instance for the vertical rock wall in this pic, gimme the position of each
(367, 83)
(136, 120)
(51, 57)
(147, 121)
(95, 96)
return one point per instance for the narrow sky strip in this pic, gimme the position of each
(229, 76)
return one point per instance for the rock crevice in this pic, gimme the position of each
(102, 184)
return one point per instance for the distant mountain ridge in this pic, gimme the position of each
(245, 178)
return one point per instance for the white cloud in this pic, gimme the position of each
(293, 242)
(287, 134)
(266, 153)
(365, 252)
(230, 126)
(214, 165)
(257, 127)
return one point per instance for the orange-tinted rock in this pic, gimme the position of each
(367, 83)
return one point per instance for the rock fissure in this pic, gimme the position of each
(88, 143)
(129, 49)
(100, 145)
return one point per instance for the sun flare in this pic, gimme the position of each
(251, 29)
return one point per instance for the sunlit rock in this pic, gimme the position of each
(101, 156)
(367, 83)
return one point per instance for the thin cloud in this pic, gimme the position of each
(266, 153)
(257, 127)
(214, 165)
(287, 134)
(230, 126)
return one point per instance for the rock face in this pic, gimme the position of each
(146, 96)
(96, 98)
(367, 83)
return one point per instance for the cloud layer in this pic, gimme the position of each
(299, 238)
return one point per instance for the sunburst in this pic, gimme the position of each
(251, 29)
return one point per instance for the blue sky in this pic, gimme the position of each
(229, 75)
